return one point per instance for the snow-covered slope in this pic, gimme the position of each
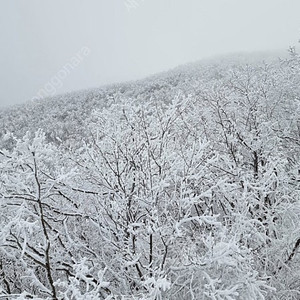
(62, 116)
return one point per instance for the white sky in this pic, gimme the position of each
(39, 37)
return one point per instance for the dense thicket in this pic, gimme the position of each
(184, 186)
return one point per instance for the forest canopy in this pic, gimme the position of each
(181, 186)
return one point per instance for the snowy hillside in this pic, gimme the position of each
(184, 185)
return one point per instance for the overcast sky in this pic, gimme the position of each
(54, 46)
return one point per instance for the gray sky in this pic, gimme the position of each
(54, 46)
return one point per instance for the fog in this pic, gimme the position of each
(50, 47)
